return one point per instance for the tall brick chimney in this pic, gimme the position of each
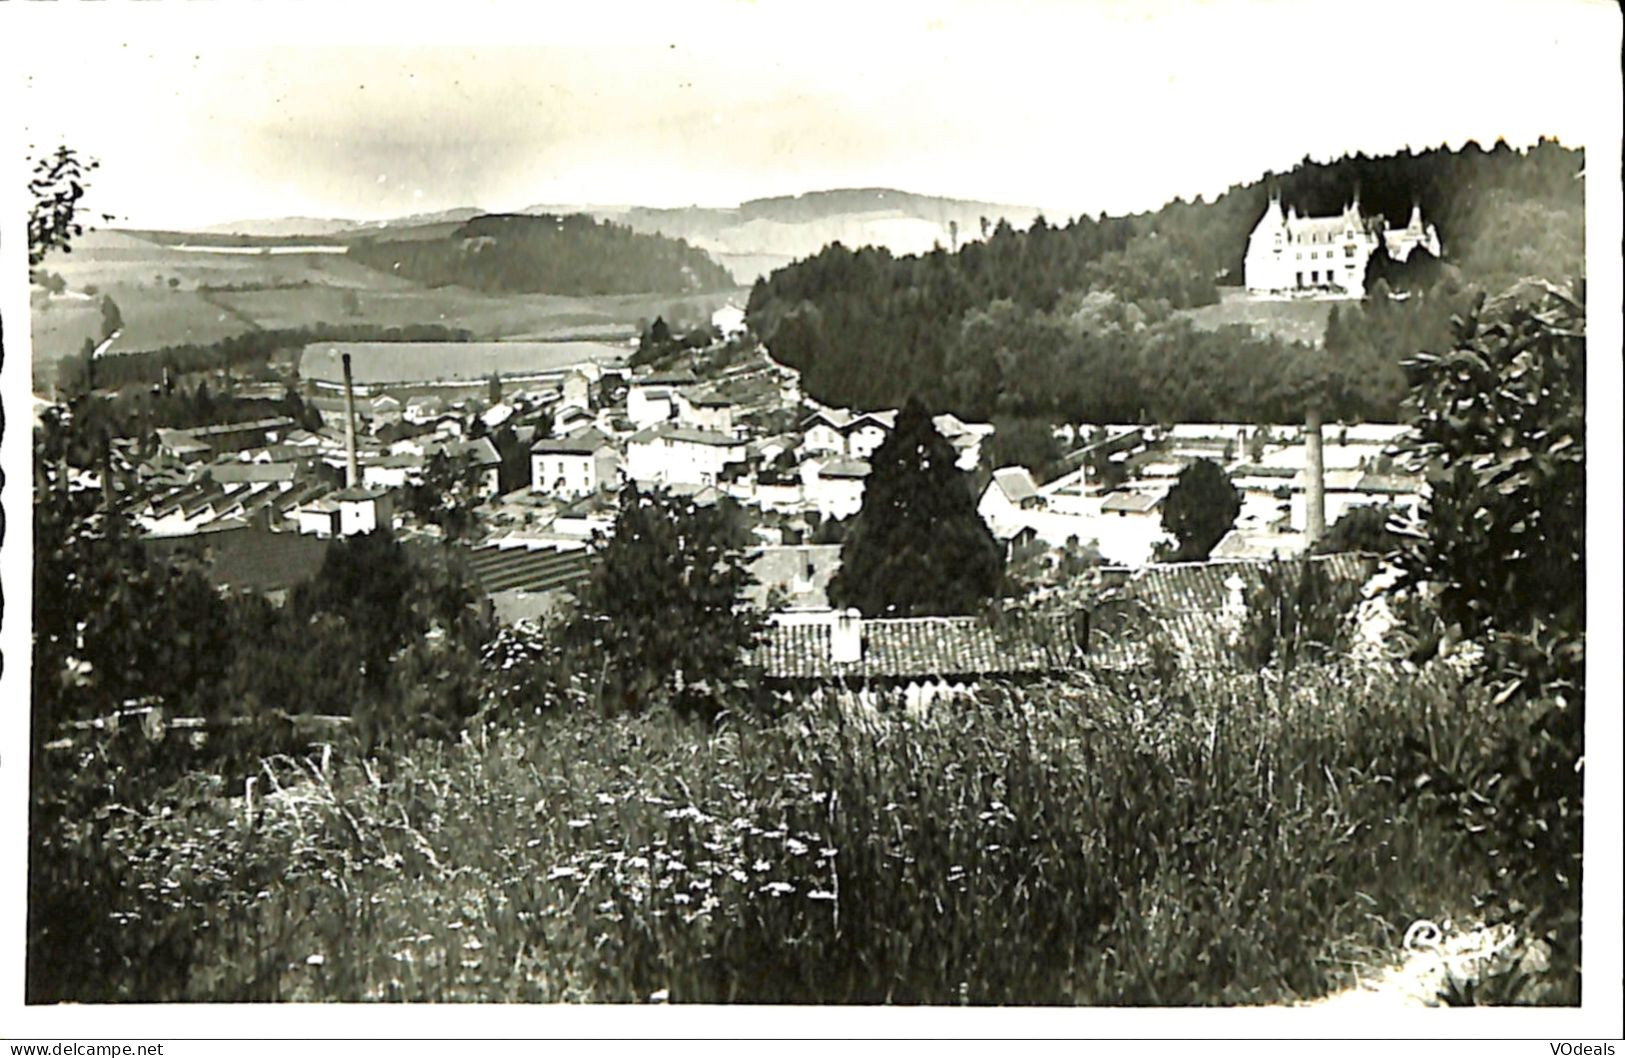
(352, 477)
(1315, 486)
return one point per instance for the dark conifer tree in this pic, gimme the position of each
(1200, 508)
(917, 547)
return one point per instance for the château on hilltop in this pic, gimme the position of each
(1327, 255)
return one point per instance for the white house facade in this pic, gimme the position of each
(574, 466)
(675, 455)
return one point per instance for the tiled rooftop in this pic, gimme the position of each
(922, 647)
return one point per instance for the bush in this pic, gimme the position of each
(1298, 612)
(1501, 418)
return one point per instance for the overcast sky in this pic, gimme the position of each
(202, 114)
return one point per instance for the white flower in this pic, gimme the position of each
(820, 894)
(315, 960)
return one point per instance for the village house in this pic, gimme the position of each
(834, 487)
(653, 398)
(393, 471)
(576, 465)
(1007, 499)
(481, 452)
(423, 409)
(705, 411)
(347, 512)
(382, 409)
(667, 454)
(576, 389)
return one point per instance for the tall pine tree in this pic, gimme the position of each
(917, 547)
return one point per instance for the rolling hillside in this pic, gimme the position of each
(767, 233)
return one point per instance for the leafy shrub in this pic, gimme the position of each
(1501, 418)
(1297, 612)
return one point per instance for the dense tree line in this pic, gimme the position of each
(575, 254)
(1079, 322)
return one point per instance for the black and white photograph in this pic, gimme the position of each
(820, 509)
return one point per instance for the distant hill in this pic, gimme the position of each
(272, 231)
(762, 234)
(547, 254)
(280, 227)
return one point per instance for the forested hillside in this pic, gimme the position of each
(577, 255)
(1078, 322)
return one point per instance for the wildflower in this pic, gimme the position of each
(826, 854)
(820, 894)
(662, 996)
(315, 960)
(778, 888)
(473, 944)
(738, 875)
(680, 898)
(760, 866)
(563, 872)
(577, 824)
(795, 848)
(606, 799)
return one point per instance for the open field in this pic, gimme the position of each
(218, 295)
(1294, 321)
(60, 326)
(107, 258)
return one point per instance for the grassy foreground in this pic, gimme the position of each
(1209, 839)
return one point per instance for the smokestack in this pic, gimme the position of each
(351, 476)
(1315, 494)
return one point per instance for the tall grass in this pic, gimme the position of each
(1219, 839)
